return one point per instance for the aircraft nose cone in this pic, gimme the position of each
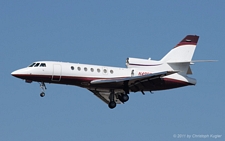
(15, 73)
(18, 73)
(23, 73)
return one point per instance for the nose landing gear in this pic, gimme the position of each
(43, 88)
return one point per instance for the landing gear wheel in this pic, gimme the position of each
(112, 104)
(42, 94)
(124, 98)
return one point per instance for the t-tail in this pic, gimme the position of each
(178, 59)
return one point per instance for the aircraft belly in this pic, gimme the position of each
(148, 85)
(159, 84)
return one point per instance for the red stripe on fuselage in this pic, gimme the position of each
(168, 83)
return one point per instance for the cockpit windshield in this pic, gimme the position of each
(38, 65)
(32, 65)
(43, 65)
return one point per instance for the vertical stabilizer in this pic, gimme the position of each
(179, 58)
(183, 51)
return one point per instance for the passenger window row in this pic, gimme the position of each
(91, 69)
(72, 68)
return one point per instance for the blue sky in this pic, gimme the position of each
(106, 33)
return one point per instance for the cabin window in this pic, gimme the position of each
(32, 64)
(43, 65)
(98, 70)
(85, 69)
(72, 68)
(78, 68)
(92, 70)
(111, 71)
(36, 65)
(105, 71)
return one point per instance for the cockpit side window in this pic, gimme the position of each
(32, 64)
(36, 65)
(43, 65)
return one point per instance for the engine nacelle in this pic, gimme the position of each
(138, 62)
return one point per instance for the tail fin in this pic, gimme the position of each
(179, 58)
(183, 51)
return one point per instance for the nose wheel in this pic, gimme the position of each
(42, 94)
(43, 88)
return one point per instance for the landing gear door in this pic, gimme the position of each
(57, 70)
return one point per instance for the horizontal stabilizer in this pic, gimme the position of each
(199, 61)
(192, 62)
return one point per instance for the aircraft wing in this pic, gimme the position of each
(133, 79)
(135, 83)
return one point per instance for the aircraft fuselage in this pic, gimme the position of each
(82, 74)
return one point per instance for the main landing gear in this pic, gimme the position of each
(123, 98)
(112, 103)
(43, 88)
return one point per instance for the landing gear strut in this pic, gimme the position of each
(43, 88)
(112, 103)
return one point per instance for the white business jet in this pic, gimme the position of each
(112, 84)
